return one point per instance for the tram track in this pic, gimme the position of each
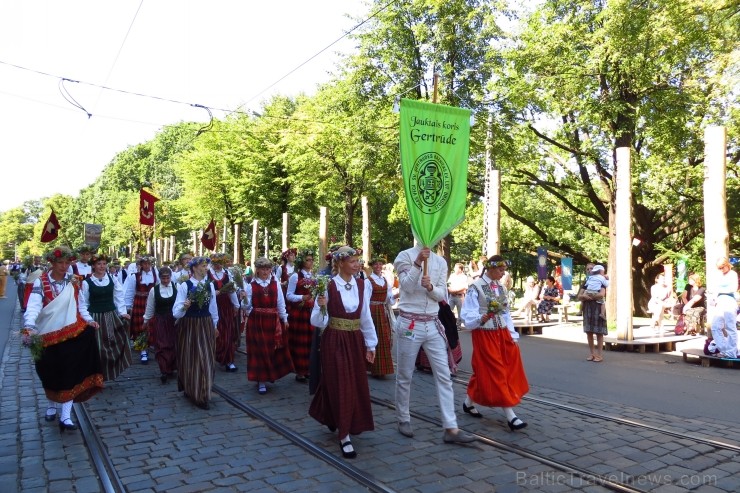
(106, 471)
(619, 420)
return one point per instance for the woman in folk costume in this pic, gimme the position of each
(380, 305)
(102, 307)
(498, 375)
(68, 367)
(268, 356)
(342, 400)
(300, 304)
(159, 319)
(228, 308)
(182, 273)
(287, 268)
(136, 290)
(197, 314)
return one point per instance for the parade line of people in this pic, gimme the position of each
(85, 316)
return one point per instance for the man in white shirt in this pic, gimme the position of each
(457, 285)
(418, 326)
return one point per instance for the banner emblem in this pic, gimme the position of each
(431, 182)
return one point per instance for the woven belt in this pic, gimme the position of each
(264, 310)
(419, 317)
(344, 324)
(377, 302)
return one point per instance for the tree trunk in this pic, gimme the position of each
(349, 217)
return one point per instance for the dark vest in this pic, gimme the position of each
(101, 298)
(336, 305)
(163, 306)
(194, 311)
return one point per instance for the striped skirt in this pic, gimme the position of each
(383, 364)
(112, 338)
(196, 341)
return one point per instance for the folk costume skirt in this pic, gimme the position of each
(165, 335)
(498, 375)
(592, 321)
(196, 342)
(342, 399)
(113, 347)
(228, 330)
(70, 370)
(383, 364)
(299, 336)
(268, 357)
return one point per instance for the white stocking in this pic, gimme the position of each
(66, 411)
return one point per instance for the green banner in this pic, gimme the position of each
(434, 161)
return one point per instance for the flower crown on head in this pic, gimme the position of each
(375, 260)
(300, 257)
(220, 258)
(97, 257)
(60, 253)
(286, 253)
(344, 252)
(86, 248)
(198, 260)
(145, 258)
(490, 264)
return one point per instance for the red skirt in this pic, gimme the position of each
(300, 332)
(498, 375)
(342, 399)
(267, 358)
(228, 330)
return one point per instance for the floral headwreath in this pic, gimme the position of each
(346, 251)
(220, 258)
(374, 260)
(85, 248)
(198, 260)
(60, 252)
(300, 257)
(97, 257)
(490, 263)
(284, 255)
(145, 258)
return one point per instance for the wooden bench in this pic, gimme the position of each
(562, 309)
(531, 328)
(707, 360)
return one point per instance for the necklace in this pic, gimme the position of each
(348, 286)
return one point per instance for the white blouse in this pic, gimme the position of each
(101, 283)
(282, 313)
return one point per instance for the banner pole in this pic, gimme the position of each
(434, 100)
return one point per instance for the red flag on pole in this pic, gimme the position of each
(146, 207)
(209, 236)
(51, 228)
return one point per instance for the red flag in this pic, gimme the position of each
(209, 236)
(146, 207)
(51, 228)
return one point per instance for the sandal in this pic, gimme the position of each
(597, 359)
(590, 358)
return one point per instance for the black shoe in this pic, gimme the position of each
(67, 424)
(347, 455)
(301, 379)
(203, 405)
(472, 411)
(231, 368)
(51, 417)
(163, 378)
(517, 426)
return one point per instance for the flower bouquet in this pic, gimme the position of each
(238, 276)
(142, 341)
(32, 340)
(307, 284)
(200, 294)
(184, 276)
(318, 289)
(229, 287)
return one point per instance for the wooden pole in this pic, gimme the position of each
(716, 235)
(323, 233)
(267, 243)
(225, 236)
(238, 244)
(434, 100)
(623, 246)
(172, 248)
(366, 246)
(285, 244)
(255, 239)
(492, 199)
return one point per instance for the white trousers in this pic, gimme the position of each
(426, 335)
(724, 315)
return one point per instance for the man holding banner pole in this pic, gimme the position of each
(434, 161)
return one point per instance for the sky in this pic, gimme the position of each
(217, 53)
